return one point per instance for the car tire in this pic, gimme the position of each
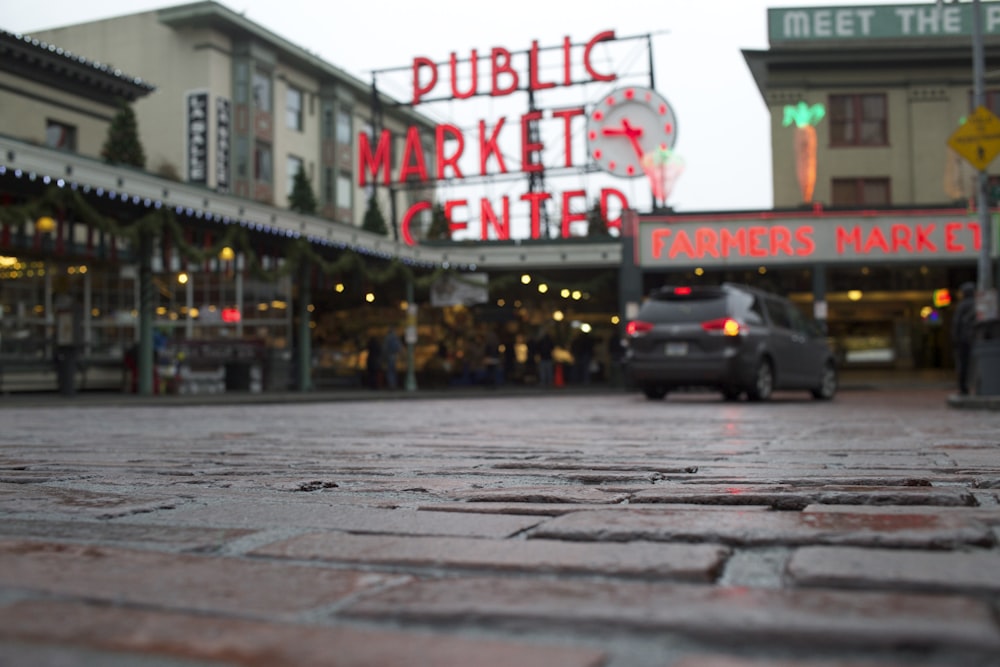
(654, 392)
(763, 382)
(827, 383)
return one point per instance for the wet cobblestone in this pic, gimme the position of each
(576, 529)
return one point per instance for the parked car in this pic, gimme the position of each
(732, 338)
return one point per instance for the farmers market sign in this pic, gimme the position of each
(953, 19)
(769, 241)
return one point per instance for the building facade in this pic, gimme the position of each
(874, 225)
(238, 109)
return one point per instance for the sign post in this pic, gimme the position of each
(979, 144)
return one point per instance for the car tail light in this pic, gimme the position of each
(726, 326)
(682, 291)
(637, 327)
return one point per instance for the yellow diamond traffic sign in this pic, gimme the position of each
(978, 140)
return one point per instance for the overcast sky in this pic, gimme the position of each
(723, 129)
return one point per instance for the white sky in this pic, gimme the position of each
(723, 128)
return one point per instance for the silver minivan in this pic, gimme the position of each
(733, 338)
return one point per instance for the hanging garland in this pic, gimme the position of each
(164, 223)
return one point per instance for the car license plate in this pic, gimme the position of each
(677, 349)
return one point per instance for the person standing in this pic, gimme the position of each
(544, 348)
(391, 347)
(963, 327)
(373, 361)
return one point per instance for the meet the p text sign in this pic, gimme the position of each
(929, 19)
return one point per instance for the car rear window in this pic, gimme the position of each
(689, 308)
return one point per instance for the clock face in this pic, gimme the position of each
(627, 124)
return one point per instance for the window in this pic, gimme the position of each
(293, 108)
(328, 186)
(295, 164)
(344, 190)
(343, 127)
(327, 121)
(860, 192)
(261, 91)
(61, 136)
(262, 163)
(858, 120)
(241, 75)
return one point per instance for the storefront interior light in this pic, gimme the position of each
(586, 328)
(615, 319)
(227, 254)
(542, 288)
(45, 225)
(525, 279)
(501, 303)
(564, 293)
(339, 288)
(762, 270)
(558, 316)
(854, 295)
(370, 297)
(577, 295)
(262, 307)
(699, 271)
(182, 278)
(278, 304)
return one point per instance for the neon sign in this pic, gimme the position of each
(494, 75)
(729, 242)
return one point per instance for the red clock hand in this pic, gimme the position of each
(626, 130)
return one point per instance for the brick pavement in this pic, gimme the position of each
(576, 529)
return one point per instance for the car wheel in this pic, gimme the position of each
(654, 392)
(763, 383)
(827, 384)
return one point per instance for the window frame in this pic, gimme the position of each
(68, 142)
(294, 109)
(851, 130)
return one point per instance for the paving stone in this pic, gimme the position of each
(697, 562)
(787, 496)
(37, 498)
(728, 661)
(556, 509)
(227, 641)
(972, 572)
(174, 580)
(174, 538)
(728, 614)
(331, 516)
(917, 529)
(543, 494)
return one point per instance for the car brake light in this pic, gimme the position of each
(727, 326)
(636, 327)
(682, 291)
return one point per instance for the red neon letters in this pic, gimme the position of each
(808, 241)
(504, 79)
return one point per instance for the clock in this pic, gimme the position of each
(626, 125)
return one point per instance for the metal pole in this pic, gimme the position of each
(410, 335)
(985, 277)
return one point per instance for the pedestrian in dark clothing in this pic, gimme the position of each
(583, 354)
(963, 328)
(544, 347)
(373, 365)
